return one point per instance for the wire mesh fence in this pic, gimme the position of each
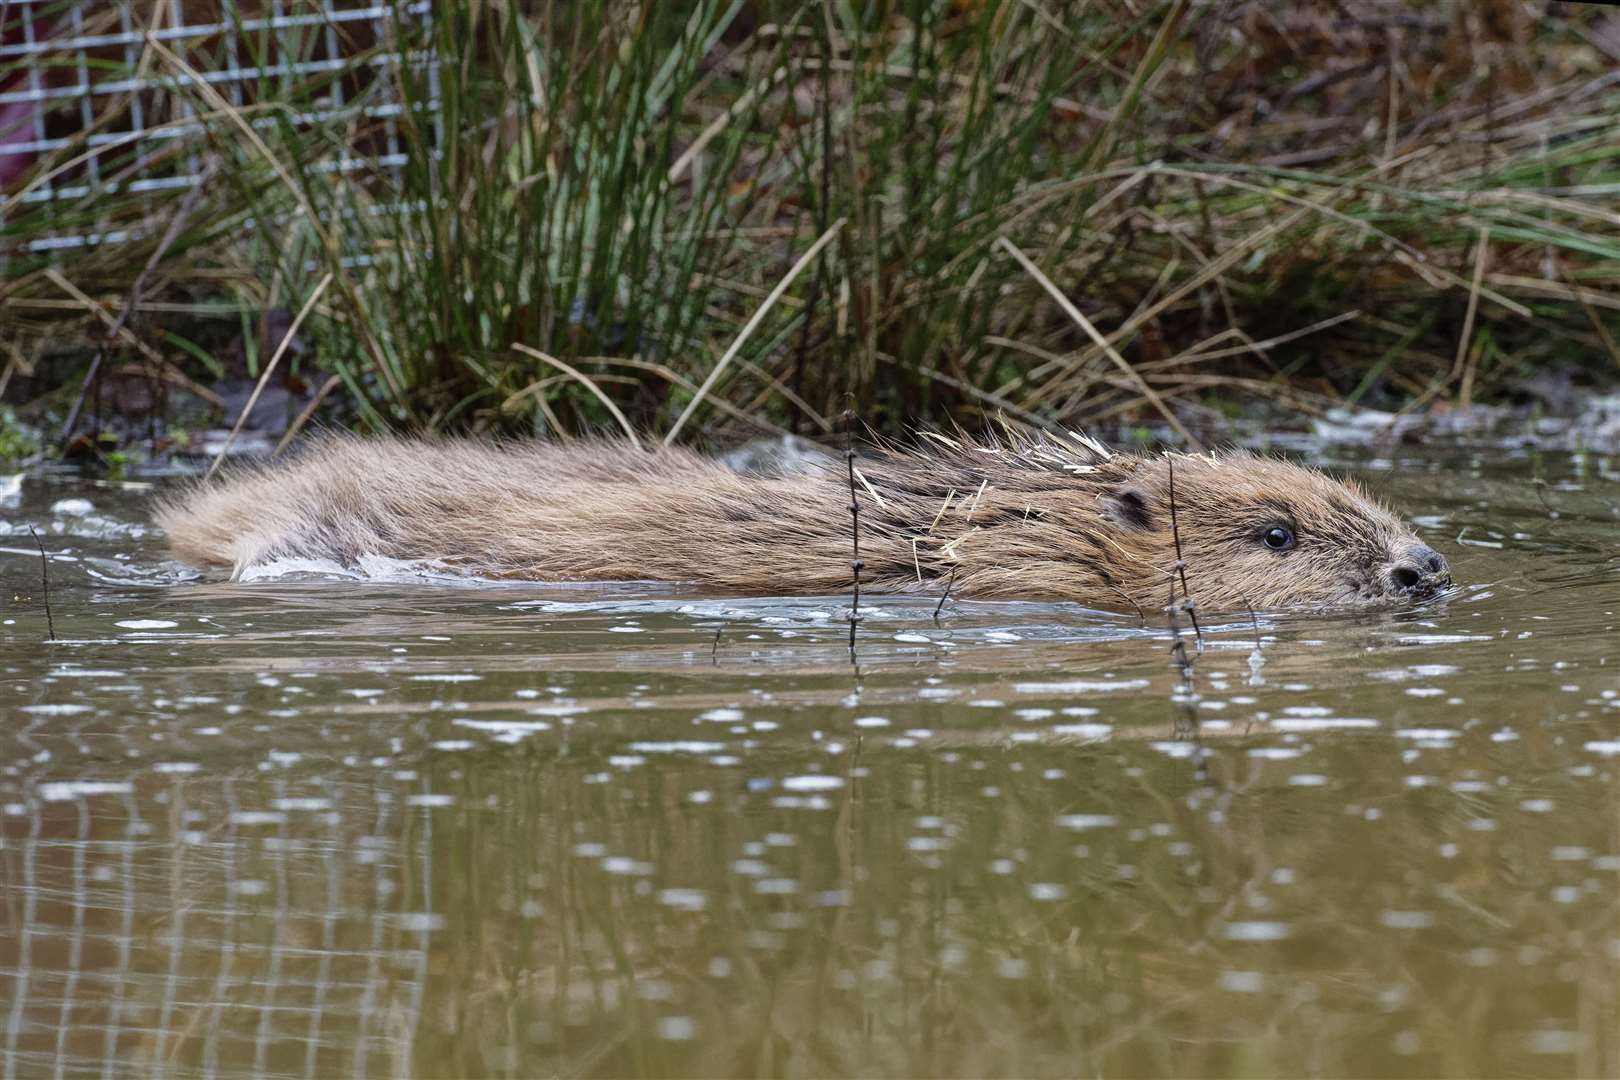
(119, 99)
(182, 923)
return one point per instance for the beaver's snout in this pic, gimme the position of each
(1419, 572)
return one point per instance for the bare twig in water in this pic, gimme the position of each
(855, 564)
(946, 595)
(1178, 650)
(44, 582)
(714, 647)
(1181, 565)
(1141, 616)
(1257, 659)
(1254, 620)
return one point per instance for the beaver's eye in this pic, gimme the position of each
(1279, 538)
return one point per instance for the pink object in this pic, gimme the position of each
(16, 128)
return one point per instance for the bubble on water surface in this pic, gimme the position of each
(684, 899)
(1322, 723)
(257, 817)
(1082, 731)
(928, 843)
(1080, 686)
(63, 790)
(1406, 920)
(506, 731)
(1080, 822)
(812, 783)
(1555, 1042)
(677, 746)
(624, 866)
(677, 1028)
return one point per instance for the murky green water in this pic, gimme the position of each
(320, 829)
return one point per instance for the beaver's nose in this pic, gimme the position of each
(1420, 571)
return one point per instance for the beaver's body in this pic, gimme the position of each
(1049, 518)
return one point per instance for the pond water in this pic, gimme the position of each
(318, 828)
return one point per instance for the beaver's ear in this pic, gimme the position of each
(1128, 508)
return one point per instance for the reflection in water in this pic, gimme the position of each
(314, 829)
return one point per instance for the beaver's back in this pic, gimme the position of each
(602, 509)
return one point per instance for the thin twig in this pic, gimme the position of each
(269, 369)
(946, 596)
(580, 377)
(1181, 563)
(1467, 361)
(855, 563)
(308, 411)
(44, 582)
(749, 328)
(1178, 650)
(1139, 383)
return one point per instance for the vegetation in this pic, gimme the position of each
(706, 220)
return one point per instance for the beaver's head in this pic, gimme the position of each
(1271, 534)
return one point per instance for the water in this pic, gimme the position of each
(311, 829)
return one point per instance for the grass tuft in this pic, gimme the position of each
(719, 218)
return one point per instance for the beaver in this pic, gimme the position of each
(1055, 517)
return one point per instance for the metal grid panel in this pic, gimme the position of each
(150, 933)
(72, 77)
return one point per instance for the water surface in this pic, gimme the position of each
(297, 828)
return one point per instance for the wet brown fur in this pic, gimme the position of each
(1049, 518)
